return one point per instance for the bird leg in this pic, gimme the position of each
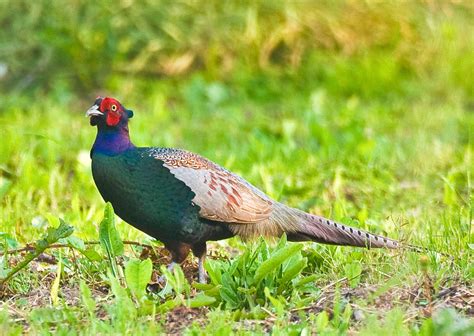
(199, 250)
(202, 274)
(179, 251)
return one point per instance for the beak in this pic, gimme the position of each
(94, 111)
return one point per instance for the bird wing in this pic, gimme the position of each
(220, 194)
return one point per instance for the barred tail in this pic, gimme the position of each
(319, 229)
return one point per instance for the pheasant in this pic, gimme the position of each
(185, 200)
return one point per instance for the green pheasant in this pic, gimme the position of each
(185, 200)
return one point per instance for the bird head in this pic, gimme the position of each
(108, 112)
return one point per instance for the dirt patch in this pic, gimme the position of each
(182, 317)
(417, 299)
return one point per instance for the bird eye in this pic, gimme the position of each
(113, 107)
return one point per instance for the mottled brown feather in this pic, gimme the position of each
(220, 194)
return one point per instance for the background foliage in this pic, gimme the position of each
(83, 46)
(357, 110)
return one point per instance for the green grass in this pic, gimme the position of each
(379, 137)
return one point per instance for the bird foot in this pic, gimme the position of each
(202, 274)
(162, 279)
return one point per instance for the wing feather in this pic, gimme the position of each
(220, 194)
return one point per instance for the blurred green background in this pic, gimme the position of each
(361, 48)
(352, 109)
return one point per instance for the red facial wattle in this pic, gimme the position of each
(110, 107)
(112, 118)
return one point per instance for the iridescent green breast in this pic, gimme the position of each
(145, 194)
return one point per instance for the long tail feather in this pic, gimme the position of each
(301, 226)
(327, 231)
(305, 226)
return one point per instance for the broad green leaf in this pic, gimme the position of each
(353, 271)
(117, 290)
(275, 260)
(54, 234)
(74, 242)
(137, 275)
(213, 291)
(167, 306)
(52, 220)
(322, 321)
(279, 306)
(7, 242)
(108, 234)
(91, 254)
(305, 280)
(176, 282)
(201, 300)
(213, 268)
(124, 307)
(229, 296)
(293, 270)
